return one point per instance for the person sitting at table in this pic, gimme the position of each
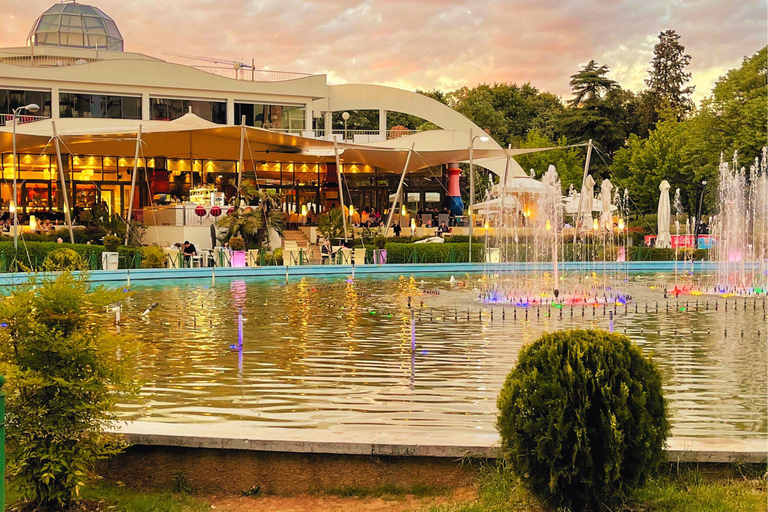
(189, 251)
(326, 251)
(442, 229)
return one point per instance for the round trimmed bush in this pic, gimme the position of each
(583, 419)
(236, 243)
(111, 243)
(64, 259)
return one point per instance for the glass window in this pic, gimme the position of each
(49, 22)
(168, 109)
(274, 117)
(11, 99)
(99, 106)
(432, 197)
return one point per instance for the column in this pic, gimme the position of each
(307, 117)
(453, 201)
(383, 124)
(328, 125)
(145, 109)
(54, 103)
(231, 112)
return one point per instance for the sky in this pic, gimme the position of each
(429, 44)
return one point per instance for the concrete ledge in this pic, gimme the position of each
(396, 444)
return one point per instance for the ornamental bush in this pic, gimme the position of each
(236, 243)
(64, 373)
(582, 417)
(64, 259)
(152, 257)
(111, 243)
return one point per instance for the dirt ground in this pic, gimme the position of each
(315, 503)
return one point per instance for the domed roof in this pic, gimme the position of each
(73, 25)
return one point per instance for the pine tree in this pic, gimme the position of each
(590, 83)
(667, 77)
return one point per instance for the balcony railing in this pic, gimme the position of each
(352, 136)
(7, 119)
(252, 75)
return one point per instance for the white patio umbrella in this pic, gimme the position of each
(664, 241)
(588, 193)
(606, 219)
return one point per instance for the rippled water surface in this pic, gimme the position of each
(330, 353)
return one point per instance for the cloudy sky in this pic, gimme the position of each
(433, 43)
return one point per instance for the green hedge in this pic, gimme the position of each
(432, 253)
(32, 255)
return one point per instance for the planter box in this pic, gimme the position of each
(380, 256)
(109, 260)
(238, 258)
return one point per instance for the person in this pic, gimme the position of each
(325, 252)
(189, 251)
(59, 241)
(442, 229)
(397, 229)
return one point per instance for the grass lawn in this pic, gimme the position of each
(685, 489)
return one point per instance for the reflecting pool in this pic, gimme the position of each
(337, 353)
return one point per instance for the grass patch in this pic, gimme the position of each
(714, 488)
(386, 491)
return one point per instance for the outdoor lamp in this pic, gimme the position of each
(548, 226)
(621, 224)
(403, 211)
(351, 210)
(32, 223)
(484, 139)
(12, 207)
(595, 224)
(486, 225)
(304, 210)
(413, 225)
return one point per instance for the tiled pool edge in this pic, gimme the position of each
(123, 275)
(440, 445)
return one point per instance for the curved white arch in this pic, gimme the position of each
(380, 97)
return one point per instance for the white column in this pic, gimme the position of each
(383, 123)
(54, 102)
(308, 116)
(328, 125)
(230, 111)
(145, 111)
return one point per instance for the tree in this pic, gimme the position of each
(64, 375)
(590, 84)
(253, 222)
(568, 162)
(667, 76)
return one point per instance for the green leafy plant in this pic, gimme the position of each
(152, 257)
(64, 259)
(64, 373)
(253, 223)
(582, 418)
(331, 224)
(236, 243)
(111, 243)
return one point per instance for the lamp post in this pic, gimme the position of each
(345, 117)
(483, 138)
(32, 107)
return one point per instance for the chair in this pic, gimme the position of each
(444, 217)
(221, 257)
(195, 261)
(426, 218)
(253, 258)
(345, 256)
(358, 256)
(173, 257)
(206, 258)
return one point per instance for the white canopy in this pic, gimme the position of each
(664, 240)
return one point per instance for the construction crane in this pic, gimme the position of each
(235, 64)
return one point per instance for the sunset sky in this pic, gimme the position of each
(429, 44)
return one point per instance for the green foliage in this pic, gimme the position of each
(433, 253)
(111, 243)
(331, 224)
(64, 258)
(252, 223)
(568, 162)
(152, 257)
(582, 418)
(236, 243)
(590, 84)
(667, 77)
(64, 374)
(32, 255)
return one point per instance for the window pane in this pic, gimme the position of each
(131, 108)
(49, 22)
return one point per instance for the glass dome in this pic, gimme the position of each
(73, 25)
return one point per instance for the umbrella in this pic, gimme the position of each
(664, 241)
(588, 193)
(606, 219)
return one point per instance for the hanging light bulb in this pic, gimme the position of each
(548, 226)
(12, 207)
(351, 210)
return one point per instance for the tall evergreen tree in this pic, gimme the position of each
(667, 77)
(590, 83)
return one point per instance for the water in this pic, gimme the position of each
(327, 353)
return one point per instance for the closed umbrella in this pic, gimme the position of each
(664, 241)
(588, 193)
(606, 218)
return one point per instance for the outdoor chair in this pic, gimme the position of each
(345, 256)
(221, 257)
(253, 258)
(173, 258)
(358, 256)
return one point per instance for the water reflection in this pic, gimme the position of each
(328, 352)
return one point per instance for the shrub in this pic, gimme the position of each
(236, 243)
(582, 418)
(64, 374)
(64, 259)
(277, 255)
(111, 243)
(152, 257)
(432, 253)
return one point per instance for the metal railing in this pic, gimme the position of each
(7, 119)
(351, 136)
(252, 75)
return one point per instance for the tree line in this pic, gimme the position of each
(640, 138)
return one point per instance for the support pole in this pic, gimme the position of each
(581, 195)
(502, 214)
(67, 214)
(341, 190)
(2, 445)
(133, 184)
(471, 193)
(15, 190)
(399, 191)
(240, 160)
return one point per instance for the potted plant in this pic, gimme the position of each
(237, 246)
(110, 258)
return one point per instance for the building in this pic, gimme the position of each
(74, 66)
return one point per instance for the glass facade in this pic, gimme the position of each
(168, 109)
(75, 25)
(274, 117)
(15, 98)
(73, 104)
